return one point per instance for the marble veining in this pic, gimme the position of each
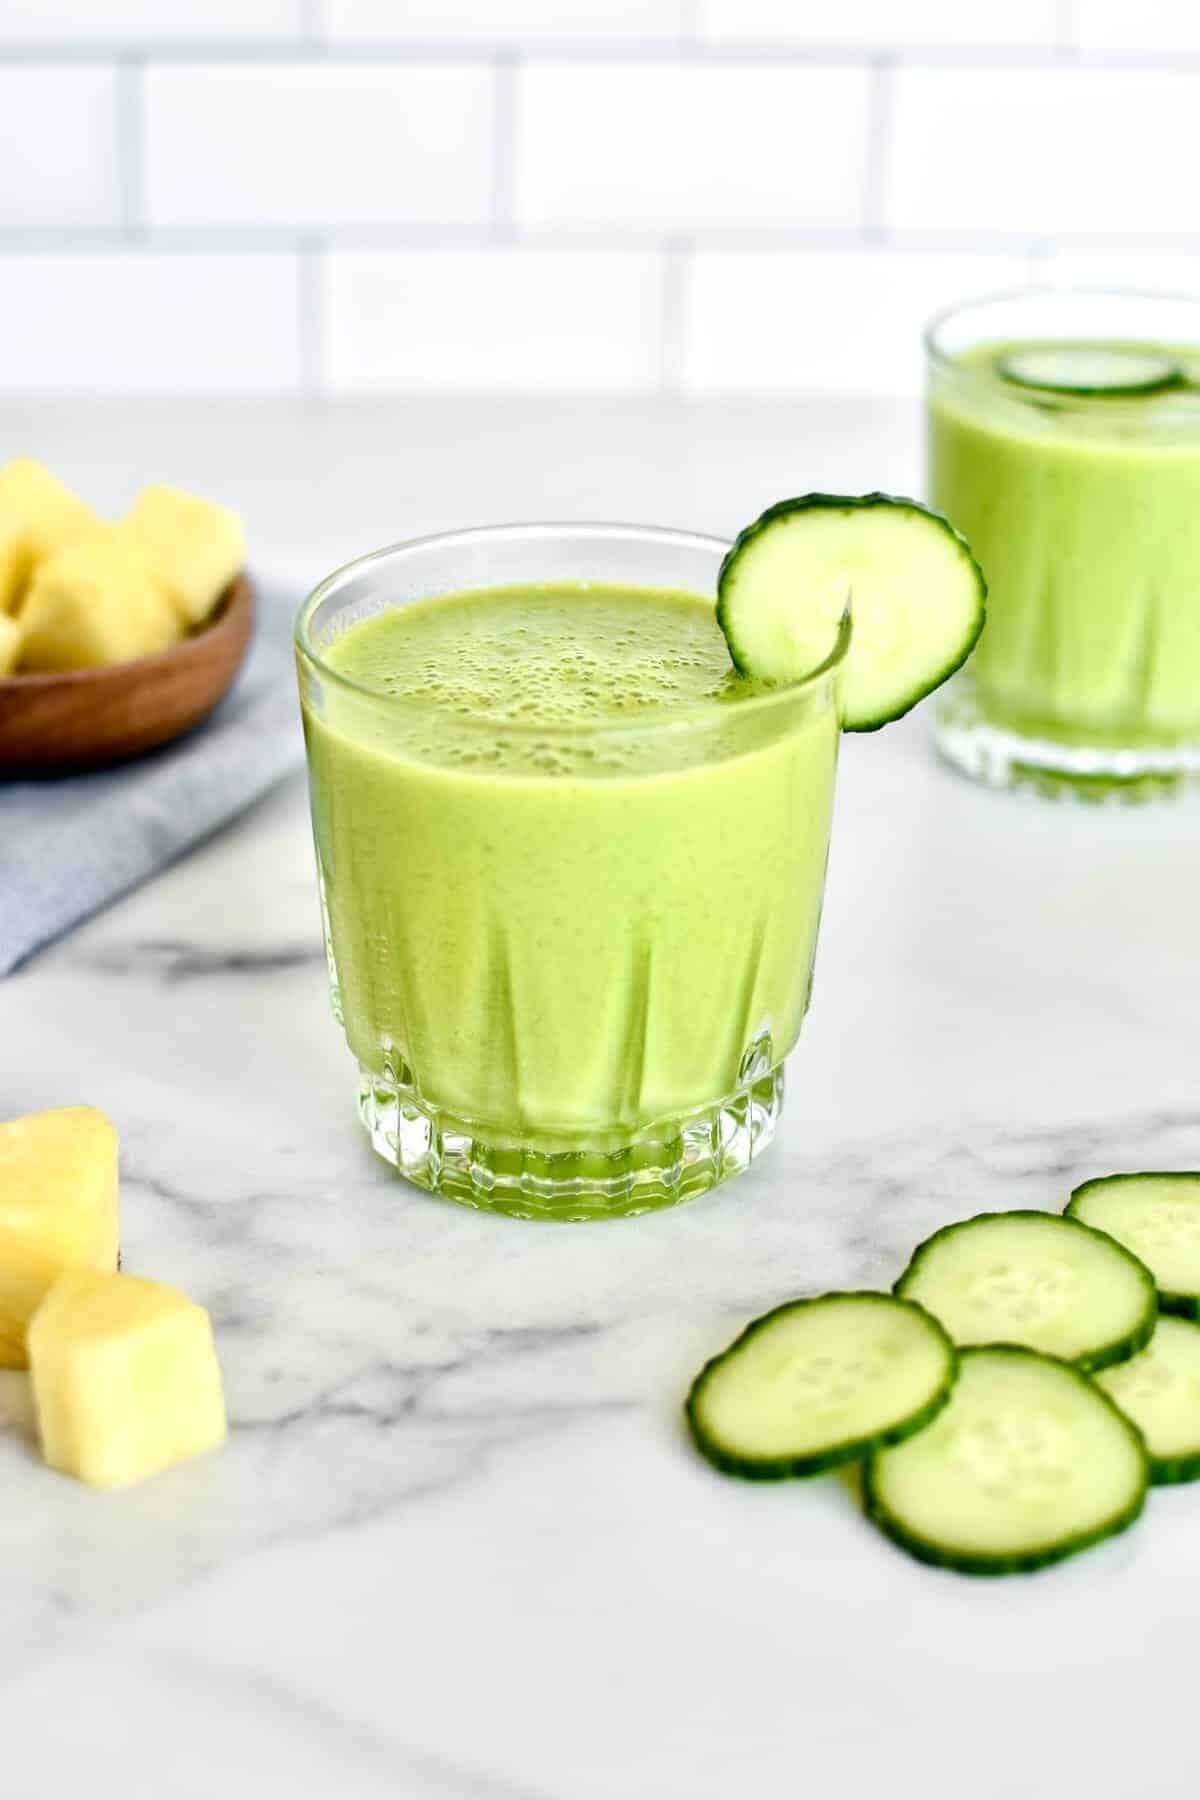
(458, 1547)
(172, 961)
(393, 1361)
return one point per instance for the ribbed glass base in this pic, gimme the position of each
(668, 1162)
(1093, 774)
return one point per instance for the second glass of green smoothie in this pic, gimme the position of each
(1064, 442)
(571, 864)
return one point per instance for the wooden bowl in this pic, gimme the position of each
(85, 718)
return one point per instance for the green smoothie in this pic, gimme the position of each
(1084, 510)
(572, 864)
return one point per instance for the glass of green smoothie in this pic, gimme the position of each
(1064, 441)
(571, 863)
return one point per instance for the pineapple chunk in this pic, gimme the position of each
(125, 1378)
(58, 1184)
(27, 1273)
(47, 512)
(98, 603)
(195, 545)
(16, 563)
(10, 644)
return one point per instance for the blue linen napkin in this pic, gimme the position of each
(71, 844)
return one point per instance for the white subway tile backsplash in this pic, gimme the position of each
(493, 320)
(676, 148)
(1067, 151)
(139, 21)
(1152, 27)
(148, 323)
(883, 24)
(514, 20)
(59, 165)
(318, 145)
(751, 195)
(850, 321)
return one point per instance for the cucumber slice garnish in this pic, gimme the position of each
(819, 1382)
(1037, 1279)
(1090, 370)
(915, 595)
(1157, 1217)
(1030, 1462)
(1159, 1389)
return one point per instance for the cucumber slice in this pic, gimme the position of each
(1090, 370)
(1029, 1463)
(1159, 1389)
(1036, 1279)
(1157, 1217)
(818, 1382)
(914, 592)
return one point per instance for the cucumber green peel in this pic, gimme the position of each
(1007, 1453)
(819, 1382)
(1159, 1390)
(1157, 1218)
(1031, 1462)
(1037, 1279)
(914, 592)
(1090, 371)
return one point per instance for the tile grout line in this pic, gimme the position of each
(505, 124)
(1039, 262)
(879, 134)
(131, 145)
(1067, 28)
(251, 239)
(310, 48)
(310, 304)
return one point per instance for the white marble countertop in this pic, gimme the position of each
(458, 1547)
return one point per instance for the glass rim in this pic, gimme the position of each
(1010, 296)
(603, 725)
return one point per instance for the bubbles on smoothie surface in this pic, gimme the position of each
(546, 655)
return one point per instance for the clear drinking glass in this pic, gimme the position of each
(569, 960)
(1084, 510)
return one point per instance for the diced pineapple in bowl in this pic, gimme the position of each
(10, 644)
(195, 547)
(116, 637)
(81, 592)
(99, 602)
(41, 512)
